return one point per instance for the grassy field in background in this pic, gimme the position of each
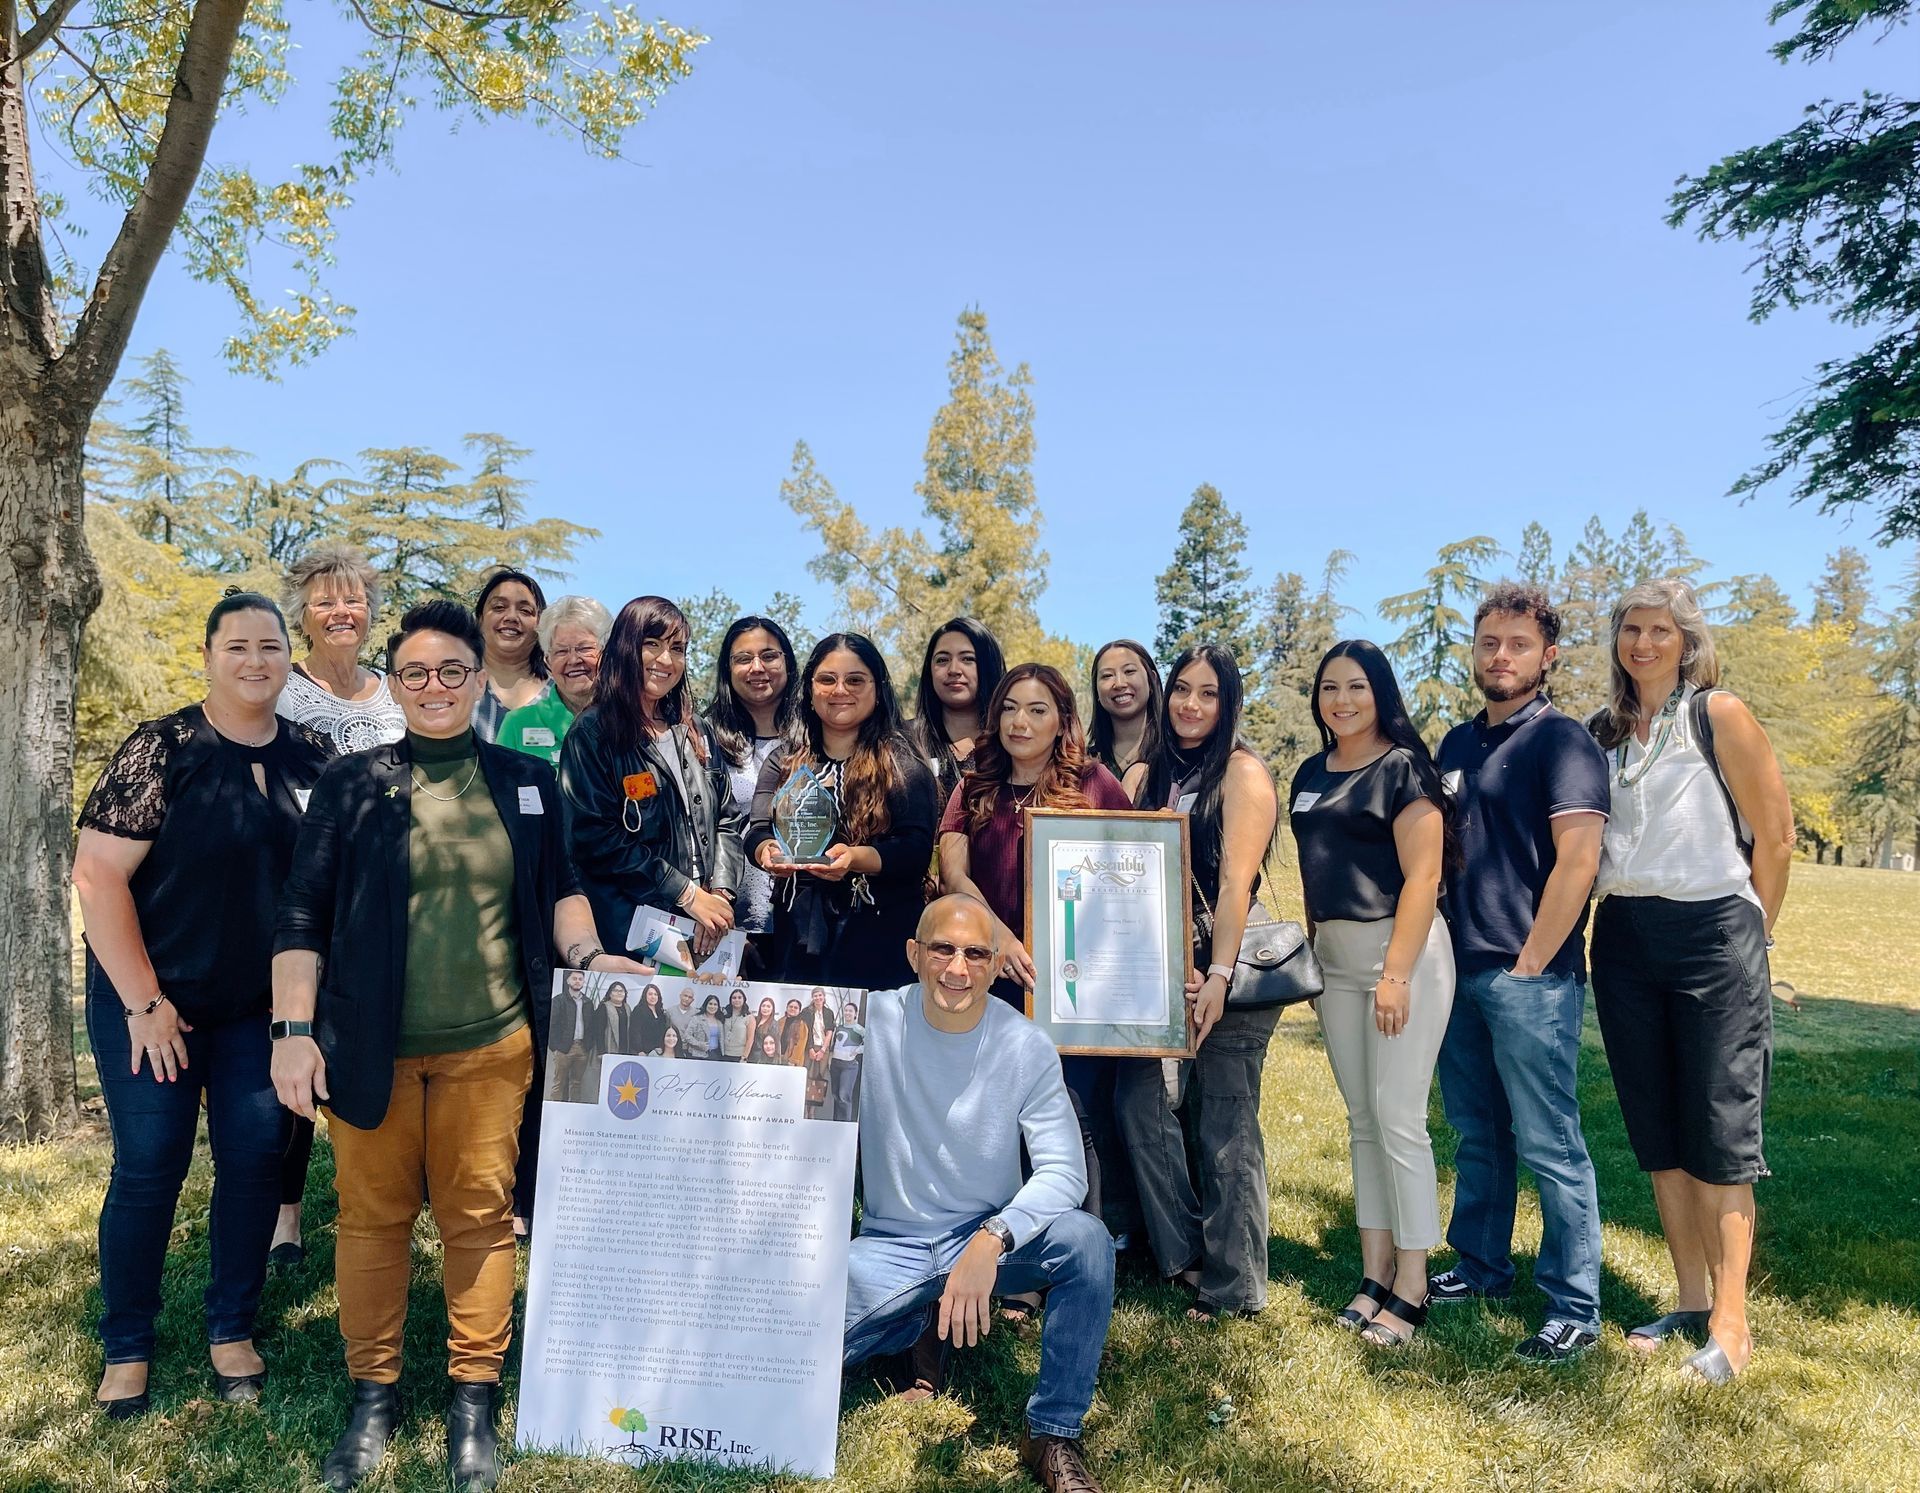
(1832, 1400)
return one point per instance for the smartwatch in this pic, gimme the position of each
(280, 1029)
(997, 1227)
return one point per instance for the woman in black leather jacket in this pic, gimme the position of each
(846, 923)
(650, 813)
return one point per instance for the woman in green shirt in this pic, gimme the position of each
(572, 632)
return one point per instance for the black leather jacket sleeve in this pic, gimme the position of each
(617, 864)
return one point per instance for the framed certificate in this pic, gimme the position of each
(1108, 920)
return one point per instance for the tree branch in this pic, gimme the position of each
(101, 336)
(43, 28)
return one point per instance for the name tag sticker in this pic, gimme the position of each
(537, 735)
(300, 797)
(530, 801)
(1303, 800)
(1186, 803)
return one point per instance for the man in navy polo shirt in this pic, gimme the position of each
(1530, 787)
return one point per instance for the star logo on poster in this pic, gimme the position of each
(627, 1091)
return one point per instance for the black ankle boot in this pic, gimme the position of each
(473, 1446)
(376, 1411)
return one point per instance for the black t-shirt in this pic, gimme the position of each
(1343, 822)
(1509, 783)
(206, 892)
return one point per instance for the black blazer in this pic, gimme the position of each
(346, 900)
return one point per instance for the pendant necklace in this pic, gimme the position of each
(1669, 715)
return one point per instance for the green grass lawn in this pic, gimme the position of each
(1832, 1400)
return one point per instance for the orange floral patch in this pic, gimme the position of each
(640, 786)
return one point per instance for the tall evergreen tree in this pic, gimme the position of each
(984, 559)
(1203, 591)
(1434, 650)
(1887, 778)
(1535, 565)
(1845, 589)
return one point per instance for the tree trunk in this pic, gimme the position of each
(48, 588)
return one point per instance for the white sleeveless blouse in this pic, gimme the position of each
(1669, 834)
(352, 725)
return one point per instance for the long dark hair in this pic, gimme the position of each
(929, 715)
(871, 772)
(1392, 722)
(536, 660)
(1100, 738)
(1058, 786)
(620, 698)
(732, 722)
(1204, 769)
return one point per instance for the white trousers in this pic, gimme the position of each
(1386, 1080)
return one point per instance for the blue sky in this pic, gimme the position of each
(1386, 275)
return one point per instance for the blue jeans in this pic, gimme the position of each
(891, 1281)
(153, 1127)
(1507, 1069)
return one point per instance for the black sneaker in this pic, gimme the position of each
(1451, 1287)
(1557, 1341)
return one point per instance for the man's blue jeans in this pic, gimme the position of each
(891, 1281)
(1507, 1071)
(153, 1127)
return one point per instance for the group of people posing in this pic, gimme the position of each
(327, 885)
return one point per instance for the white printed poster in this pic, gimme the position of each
(1108, 924)
(662, 1210)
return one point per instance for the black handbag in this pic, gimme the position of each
(1276, 965)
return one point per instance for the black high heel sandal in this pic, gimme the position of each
(1370, 1288)
(1379, 1335)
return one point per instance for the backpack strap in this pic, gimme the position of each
(1700, 724)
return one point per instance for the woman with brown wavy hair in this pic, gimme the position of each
(847, 922)
(1033, 756)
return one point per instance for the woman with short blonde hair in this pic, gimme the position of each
(332, 595)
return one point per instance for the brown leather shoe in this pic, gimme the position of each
(1056, 1464)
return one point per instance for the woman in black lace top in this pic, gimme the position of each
(184, 843)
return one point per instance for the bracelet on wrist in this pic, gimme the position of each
(130, 1012)
(1224, 971)
(1391, 980)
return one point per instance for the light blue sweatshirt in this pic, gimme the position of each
(942, 1115)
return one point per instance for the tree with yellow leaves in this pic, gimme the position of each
(129, 94)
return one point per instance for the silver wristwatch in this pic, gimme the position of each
(997, 1227)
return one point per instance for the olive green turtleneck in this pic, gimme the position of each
(464, 983)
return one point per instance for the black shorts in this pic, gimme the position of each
(1685, 1003)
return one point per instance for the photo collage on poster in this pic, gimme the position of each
(700, 1018)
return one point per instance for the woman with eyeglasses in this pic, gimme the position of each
(751, 713)
(846, 922)
(332, 594)
(508, 610)
(412, 981)
(651, 818)
(184, 844)
(572, 632)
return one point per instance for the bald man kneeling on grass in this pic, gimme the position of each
(953, 1082)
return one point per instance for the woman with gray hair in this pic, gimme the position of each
(1693, 870)
(331, 595)
(572, 632)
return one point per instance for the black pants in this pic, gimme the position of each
(1685, 1002)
